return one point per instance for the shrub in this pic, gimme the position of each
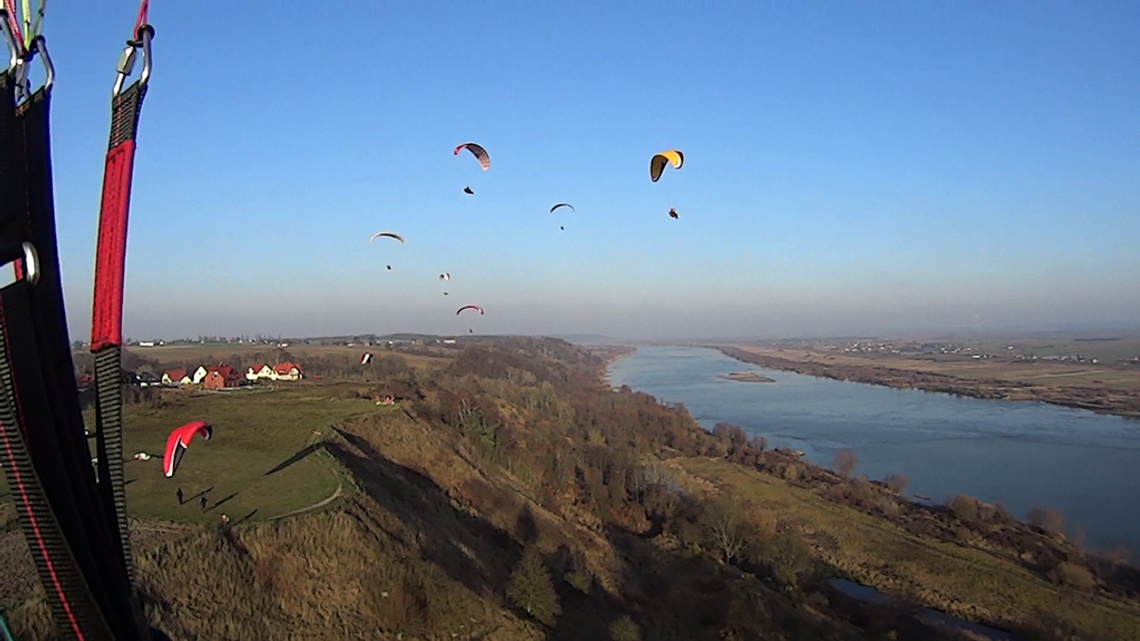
(845, 462)
(788, 557)
(897, 482)
(1072, 575)
(964, 507)
(1047, 519)
(580, 580)
(624, 629)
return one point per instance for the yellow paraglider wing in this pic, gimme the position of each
(657, 163)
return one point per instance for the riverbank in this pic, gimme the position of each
(1117, 402)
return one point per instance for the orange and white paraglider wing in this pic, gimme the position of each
(179, 441)
(477, 150)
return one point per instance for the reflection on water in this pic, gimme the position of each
(1022, 454)
(930, 617)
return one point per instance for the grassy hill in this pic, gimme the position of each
(513, 495)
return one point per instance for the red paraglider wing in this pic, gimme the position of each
(477, 150)
(470, 307)
(179, 440)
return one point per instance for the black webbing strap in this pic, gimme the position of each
(73, 534)
(108, 539)
(44, 464)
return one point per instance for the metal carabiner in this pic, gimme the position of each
(39, 47)
(31, 264)
(127, 60)
(23, 67)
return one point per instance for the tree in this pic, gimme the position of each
(789, 557)
(726, 528)
(531, 588)
(845, 462)
(897, 482)
(1047, 519)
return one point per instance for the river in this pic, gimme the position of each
(1019, 453)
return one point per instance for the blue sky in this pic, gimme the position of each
(851, 167)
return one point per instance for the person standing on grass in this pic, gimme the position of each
(180, 496)
(202, 502)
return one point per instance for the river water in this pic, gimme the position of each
(1021, 454)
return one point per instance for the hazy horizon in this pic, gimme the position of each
(861, 168)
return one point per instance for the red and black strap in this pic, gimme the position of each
(110, 272)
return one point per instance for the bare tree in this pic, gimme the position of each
(726, 528)
(845, 462)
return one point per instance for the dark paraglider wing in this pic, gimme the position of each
(388, 234)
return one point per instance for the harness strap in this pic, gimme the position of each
(107, 312)
(47, 461)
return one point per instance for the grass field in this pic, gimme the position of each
(255, 431)
(942, 575)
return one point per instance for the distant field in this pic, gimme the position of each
(255, 430)
(943, 575)
(1105, 374)
(215, 352)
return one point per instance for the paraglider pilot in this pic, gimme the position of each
(180, 496)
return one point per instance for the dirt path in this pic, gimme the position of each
(318, 504)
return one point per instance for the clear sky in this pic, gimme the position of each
(851, 167)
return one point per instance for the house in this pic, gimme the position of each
(287, 371)
(175, 377)
(199, 375)
(258, 371)
(221, 377)
(85, 382)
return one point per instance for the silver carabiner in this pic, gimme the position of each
(39, 47)
(23, 86)
(31, 264)
(127, 60)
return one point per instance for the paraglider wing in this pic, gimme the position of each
(364, 360)
(479, 153)
(476, 307)
(445, 276)
(179, 441)
(388, 234)
(657, 163)
(563, 205)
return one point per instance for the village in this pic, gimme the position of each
(210, 377)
